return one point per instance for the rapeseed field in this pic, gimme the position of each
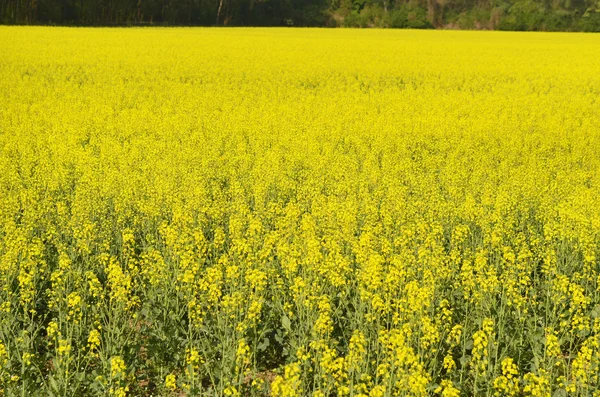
(297, 212)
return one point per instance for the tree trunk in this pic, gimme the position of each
(431, 12)
(219, 11)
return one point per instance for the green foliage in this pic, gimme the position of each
(589, 23)
(524, 15)
(560, 20)
(475, 18)
(365, 17)
(408, 16)
(517, 15)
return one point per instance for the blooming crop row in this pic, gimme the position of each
(299, 212)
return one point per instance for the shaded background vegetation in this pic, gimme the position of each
(568, 15)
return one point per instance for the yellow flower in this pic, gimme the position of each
(94, 340)
(508, 383)
(117, 367)
(288, 384)
(3, 355)
(64, 347)
(27, 358)
(171, 382)
(52, 329)
(447, 389)
(449, 363)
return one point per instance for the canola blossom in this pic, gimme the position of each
(299, 212)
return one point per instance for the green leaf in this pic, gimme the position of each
(286, 323)
(559, 393)
(262, 346)
(53, 384)
(279, 339)
(465, 360)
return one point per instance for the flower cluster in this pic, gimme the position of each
(254, 212)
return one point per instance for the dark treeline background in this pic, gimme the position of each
(567, 15)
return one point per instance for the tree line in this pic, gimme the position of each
(548, 15)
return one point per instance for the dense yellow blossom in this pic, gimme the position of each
(296, 212)
(507, 384)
